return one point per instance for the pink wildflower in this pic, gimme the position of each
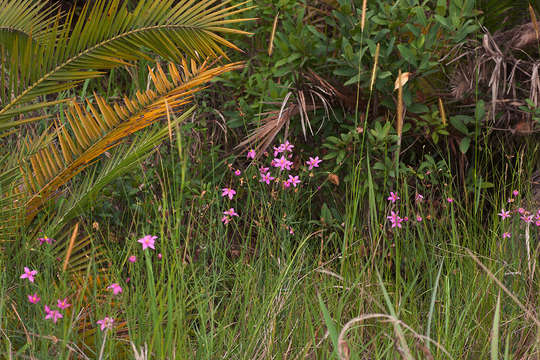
(286, 146)
(106, 323)
(228, 192)
(251, 154)
(266, 178)
(63, 304)
(28, 274)
(527, 219)
(159, 256)
(286, 184)
(34, 299)
(450, 200)
(117, 289)
(225, 219)
(132, 258)
(282, 163)
(521, 210)
(45, 239)
(504, 214)
(418, 197)
(54, 315)
(278, 150)
(237, 172)
(294, 180)
(395, 219)
(515, 193)
(263, 170)
(418, 218)
(393, 197)
(506, 235)
(313, 162)
(230, 212)
(147, 242)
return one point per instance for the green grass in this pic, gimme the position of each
(251, 290)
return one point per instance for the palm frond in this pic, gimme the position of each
(108, 35)
(123, 159)
(28, 18)
(96, 129)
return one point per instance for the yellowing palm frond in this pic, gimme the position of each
(98, 127)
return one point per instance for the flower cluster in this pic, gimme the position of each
(54, 313)
(528, 217)
(394, 218)
(281, 161)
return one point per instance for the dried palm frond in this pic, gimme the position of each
(315, 93)
(501, 67)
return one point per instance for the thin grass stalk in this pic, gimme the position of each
(374, 70)
(272, 35)
(70, 247)
(363, 19)
(399, 126)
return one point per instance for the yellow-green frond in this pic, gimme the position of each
(92, 129)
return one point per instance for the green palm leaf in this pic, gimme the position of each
(105, 36)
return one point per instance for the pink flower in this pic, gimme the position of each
(282, 163)
(393, 197)
(28, 274)
(159, 256)
(251, 154)
(34, 299)
(278, 150)
(237, 172)
(294, 180)
(395, 219)
(506, 235)
(510, 200)
(504, 214)
(266, 178)
(418, 197)
(313, 162)
(117, 289)
(228, 192)
(450, 200)
(45, 239)
(287, 184)
(106, 323)
(263, 170)
(132, 258)
(225, 219)
(287, 146)
(527, 219)
(418, 218)
(147, 242)
(54, 315)
(230, 212)
(291, 230)
(515, 193)
(521, 211)
(63, 304)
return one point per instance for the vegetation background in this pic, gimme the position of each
(417, 235)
